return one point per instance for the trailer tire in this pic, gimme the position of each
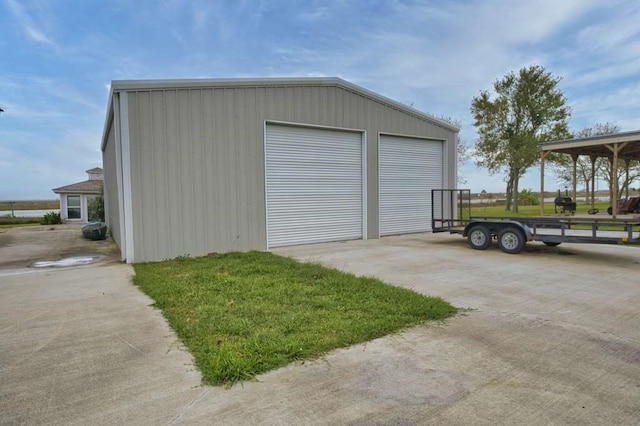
(511, 240)
(479, 237)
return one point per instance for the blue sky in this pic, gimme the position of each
(58, 57)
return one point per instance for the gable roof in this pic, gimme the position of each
(133, 85)
(91, 186)
(94, 170)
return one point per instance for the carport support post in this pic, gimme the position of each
(626, 170)
(615, 148)
(543, 155)
(593, 180)
(574, 157)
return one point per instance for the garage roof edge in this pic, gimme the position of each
(133, 85)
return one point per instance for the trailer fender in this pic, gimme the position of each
(524, 228)
(496, 226)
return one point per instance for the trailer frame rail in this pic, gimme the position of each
(451, 212)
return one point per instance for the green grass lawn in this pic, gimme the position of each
(534, 211)
(242, 314)
(531, 211)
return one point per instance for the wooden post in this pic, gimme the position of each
(626, 170)
(615, 148)
(574, 157)
(614, 203)
(543, 155)
(593, 180)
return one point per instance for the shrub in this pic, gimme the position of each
(96, 208)
(527, 197)
(51, 218)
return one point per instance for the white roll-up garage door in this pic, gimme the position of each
(314, 185)
(408, 169)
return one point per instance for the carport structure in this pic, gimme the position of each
(616, 147)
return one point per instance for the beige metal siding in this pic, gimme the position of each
(197, 159)
(112, 212)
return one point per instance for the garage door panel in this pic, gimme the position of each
(409, 168)
(314, 185)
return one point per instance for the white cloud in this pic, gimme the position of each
(27, 24)
(603, 37)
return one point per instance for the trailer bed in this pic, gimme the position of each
(513, 232)
(598, 231)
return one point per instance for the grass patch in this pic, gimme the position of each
(242, 314)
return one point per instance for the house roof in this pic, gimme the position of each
(91, 186)
(133, 85)
(94, 170)
(597, 145)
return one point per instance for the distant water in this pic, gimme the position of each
(27, 213)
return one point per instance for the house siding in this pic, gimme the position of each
(197, 159)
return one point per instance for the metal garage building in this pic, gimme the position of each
(199, 166)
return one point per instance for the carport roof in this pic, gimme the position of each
(597, 145)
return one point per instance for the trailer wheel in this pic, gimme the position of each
(551, 244)
(511, 240)
(479, 237)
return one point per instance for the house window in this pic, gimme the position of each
(73, 207)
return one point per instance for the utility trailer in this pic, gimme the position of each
(451, 212)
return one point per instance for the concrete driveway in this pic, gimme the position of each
(550, 336)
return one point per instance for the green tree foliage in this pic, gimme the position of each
(96, 208)
(463, 150)
(564, 164)
(528, 108)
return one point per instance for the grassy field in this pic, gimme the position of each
(242, 314)
(534, 211)
(31, 205)
(531, 211)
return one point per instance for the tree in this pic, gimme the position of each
(564, 165)
(463, 154)
(463, 151)
(529, 108)
(627, 173)
(96, 207)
